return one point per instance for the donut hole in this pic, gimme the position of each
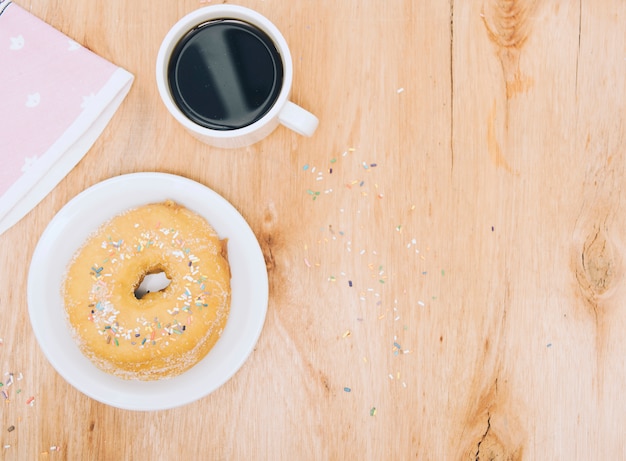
(152, 281)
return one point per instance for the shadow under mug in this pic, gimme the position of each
(214, 62)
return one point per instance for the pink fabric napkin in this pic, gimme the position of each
(56, 97)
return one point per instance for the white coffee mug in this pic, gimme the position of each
(283, 111)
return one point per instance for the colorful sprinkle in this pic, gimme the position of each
(369, 191)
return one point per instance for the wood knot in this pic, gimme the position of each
(491, 448)
(267, 242)
(269, 238)
(506, 21)
(597, 263)
(597, 266)
(491, 429)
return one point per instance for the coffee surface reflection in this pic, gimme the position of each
(225, 74)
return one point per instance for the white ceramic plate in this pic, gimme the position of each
(84, 214)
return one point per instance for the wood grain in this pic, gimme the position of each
(445, 255)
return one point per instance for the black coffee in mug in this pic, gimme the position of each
(225, 74)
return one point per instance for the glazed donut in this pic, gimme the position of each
(162, 333)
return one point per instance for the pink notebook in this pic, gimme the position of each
(56, 97)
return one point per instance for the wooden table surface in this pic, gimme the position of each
(446, 255)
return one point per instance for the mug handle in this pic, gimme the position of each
(298, 119)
